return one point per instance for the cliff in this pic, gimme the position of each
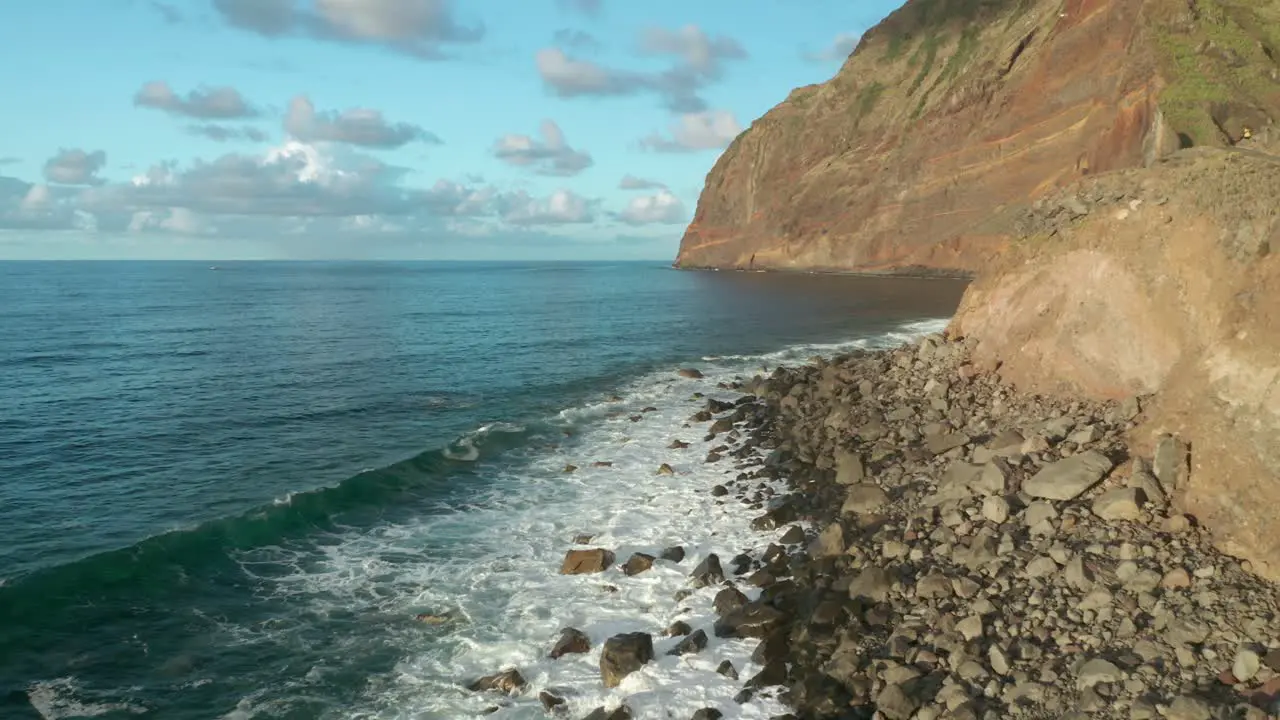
(951, 112)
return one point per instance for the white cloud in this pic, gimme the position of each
(662, 207)
(357, 126)
(549, 156)
(561, 208)
(708, 130)
(631, 182)
(75, 167)
(217, 103)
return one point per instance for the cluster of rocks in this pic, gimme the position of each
(951, 548)
(982, 553)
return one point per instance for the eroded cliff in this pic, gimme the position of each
(952, 111)
(1162, 283)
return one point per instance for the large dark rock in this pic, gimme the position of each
(623, 655)
(708, 572)
(507, 681)
(694, 643)
(572, 641)
(728, 600)
(621, 713)
(579, 562)
(674, 554)
(637, 563)
(751, 620)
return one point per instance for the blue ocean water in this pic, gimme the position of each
(225, 491)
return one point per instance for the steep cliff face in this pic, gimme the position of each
(951, 111)
(1159, 282)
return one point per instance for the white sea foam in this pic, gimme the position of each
(63, 698)
(494, 566)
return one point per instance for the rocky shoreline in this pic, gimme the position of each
(952, 548)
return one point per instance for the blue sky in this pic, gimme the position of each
(388, 129)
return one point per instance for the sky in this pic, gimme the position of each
(386, 129)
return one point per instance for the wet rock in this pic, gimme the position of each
(728, 600)
(723, 425)
(579, 562)
(692, 373)
(602, 464)
(637, 563)
(1068, 479)
(507, 681)
(829, 543)
(677, 445)
(665, 469)
(719, 491)
(691, 644)
(774, 673)
(673, 554)
(551, 703)
(707, 714)
(621, 713)
(727, 669)
(793, 536)
(708, 572)
(571, 641)
(570, 468)
(678, 628)
(755, 620)
(623, 655)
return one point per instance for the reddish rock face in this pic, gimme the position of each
(949, 112)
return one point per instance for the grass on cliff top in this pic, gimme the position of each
(1233, 68)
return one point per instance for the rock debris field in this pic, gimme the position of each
(952, 548)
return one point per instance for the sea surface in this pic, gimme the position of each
(225, 492)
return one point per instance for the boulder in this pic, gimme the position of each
(572, 641)
(1068, 479)
(693, 643)
(673, 554)
(829, 543)
(849, 467)
(580, 562)
(507, 681)
(637, 563)
(864, 498)
(873, 584)
(621, 713)
(728, 600)
(691, 373)
(708, 572)
(1119, 504)
(754, 620)
(624, 654)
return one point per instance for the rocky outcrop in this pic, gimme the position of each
(951, 111)
(1161, 283)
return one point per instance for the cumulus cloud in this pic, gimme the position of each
(549, 156)
(453, 199)
(216, 103)
(699, 61)
(562, 207)
(37, 206)
(75, 167)
(838, 50)
(357, 126)
(225, 133)
(178, 221)
(708, 130)
(414, 27)
(631, 182)
(660, 208)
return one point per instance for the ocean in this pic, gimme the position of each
(225, 492)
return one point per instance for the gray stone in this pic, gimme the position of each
(995, 509)
(1078, 575)
(1068, 479)
(1145, 481)
(1038, 512)
(1171, 464)
(1042, 566)
(994, 478)
(970, 627)
(1188, 708)
(864, 498)
(623, 655)
(895, 704)
(999, 660)
(1186, 631)
(849, 467)
(1119, 504)
(1246, 665)
(1097, 671)
(872, 583)
(938, 444)
(829, 543)
(934, 585)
